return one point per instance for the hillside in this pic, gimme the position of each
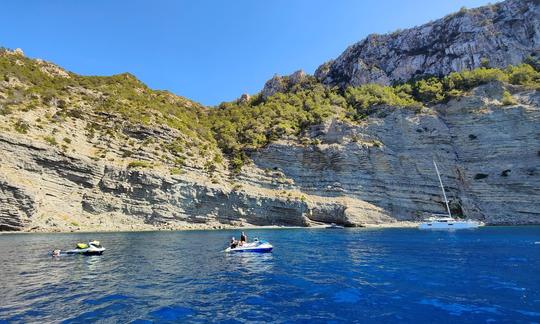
(108, 153)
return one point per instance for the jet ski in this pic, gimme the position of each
(255, 246)
(90, 248)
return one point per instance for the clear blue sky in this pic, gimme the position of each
(209, 51)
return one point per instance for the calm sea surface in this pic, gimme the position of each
(334, 276)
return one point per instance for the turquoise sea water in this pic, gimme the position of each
(313, 276)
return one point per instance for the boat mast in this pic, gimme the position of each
(442, 187)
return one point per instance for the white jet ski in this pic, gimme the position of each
(90, 248)
(255, 246)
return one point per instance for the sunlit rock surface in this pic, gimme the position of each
(495, 35)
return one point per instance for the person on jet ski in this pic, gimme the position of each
(243, 238)
(234, 243)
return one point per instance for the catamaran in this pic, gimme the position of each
(444, 221)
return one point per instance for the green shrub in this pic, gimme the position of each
(175, 147)
(466, 79)
(28, 107)
(21, 126)
(366, 96)
(179, 161)
(176, 171)
(507, 99)
(139, 164)
(5, 110)
(210, 166)
(75, 113)
(524, 74)
(51, 140)
(429, 90)
(315, 141)
(533, 62)
(218, 159)
(236, 187)
(237, 162)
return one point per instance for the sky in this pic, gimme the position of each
(207, 50)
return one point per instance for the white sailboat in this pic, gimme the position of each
(447, 221)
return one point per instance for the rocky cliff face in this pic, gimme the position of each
(488, 154)
(42, 188)
(496, 35)
(377, 172)
(108, 153)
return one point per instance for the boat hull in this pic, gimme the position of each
(260, 248)
(97, 251)
(265, 250)
(449, 225)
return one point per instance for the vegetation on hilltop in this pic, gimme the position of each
(106, 105)
(242, 126)
(120, 94)
(236, 128)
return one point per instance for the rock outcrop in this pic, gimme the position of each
(16, 207)
(282, 83)
(496, 35)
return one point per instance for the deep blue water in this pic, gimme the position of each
(334, 276)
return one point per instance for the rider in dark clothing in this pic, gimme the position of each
(234, 243)
(243, 238)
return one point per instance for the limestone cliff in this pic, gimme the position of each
(379, 171)
(496, 35)
(43, 188)
(488, 153)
